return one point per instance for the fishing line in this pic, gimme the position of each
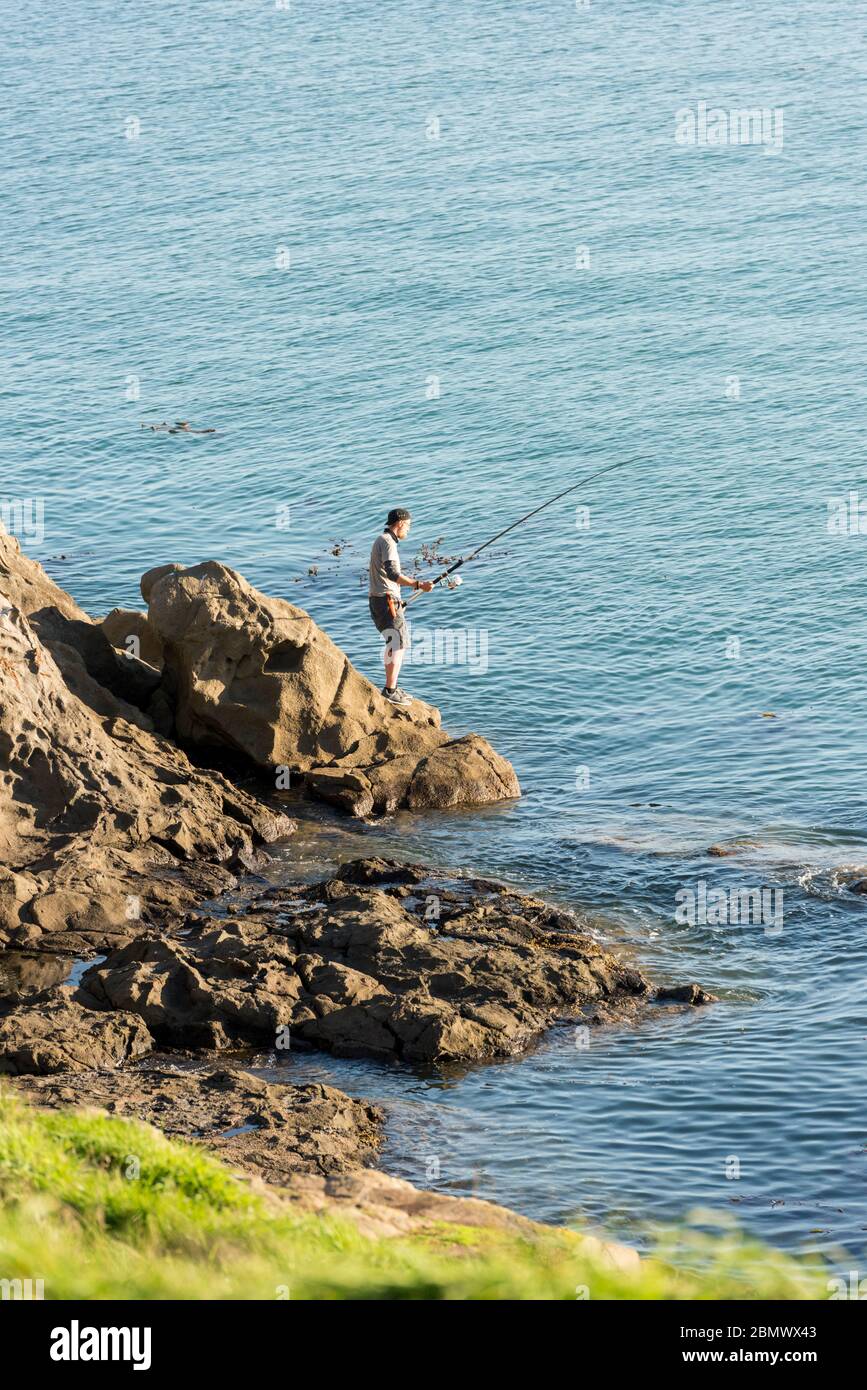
(465, 560)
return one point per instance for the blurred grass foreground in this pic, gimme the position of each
(98, 1207)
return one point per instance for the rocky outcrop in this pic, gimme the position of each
(274, 1131)
(91, 666)
(386, 960)
(257, 675)
(52, 1033)
(108, 834)
(104, 825)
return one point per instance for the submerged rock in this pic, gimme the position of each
(385, 960)
(685, 994)
(852, 877)
(256, 675)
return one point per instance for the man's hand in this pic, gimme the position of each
(412, 583)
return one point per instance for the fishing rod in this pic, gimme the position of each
(465, 559)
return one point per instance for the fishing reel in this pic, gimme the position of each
(445, 581)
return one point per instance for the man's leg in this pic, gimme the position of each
(393, 658)
(392, 627)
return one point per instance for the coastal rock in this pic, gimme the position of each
(53, 1033)
(128, 630)
(692, 994)
(249, 861)
(104, 825)
(91, 666)
(256, 675)
(385, 1207)
(852, 877)
(387, 960)
(153, 576)
(272, 1131)
(311, 1143)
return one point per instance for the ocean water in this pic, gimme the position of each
(452, 257)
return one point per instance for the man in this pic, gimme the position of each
(386, 608)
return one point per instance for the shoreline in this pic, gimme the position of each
(126, 854)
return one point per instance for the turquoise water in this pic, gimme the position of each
(284, 254)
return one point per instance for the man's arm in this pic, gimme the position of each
(426, 584)
(392, 570)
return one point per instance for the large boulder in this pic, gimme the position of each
(104, 826)
(257, 675)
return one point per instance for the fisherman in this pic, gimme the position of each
(386, 608)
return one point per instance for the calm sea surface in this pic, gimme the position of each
(348, 238)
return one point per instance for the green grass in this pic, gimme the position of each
(102, 1207)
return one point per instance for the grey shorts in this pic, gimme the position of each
(393, 629)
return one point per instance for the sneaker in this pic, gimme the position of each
(397, 696)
